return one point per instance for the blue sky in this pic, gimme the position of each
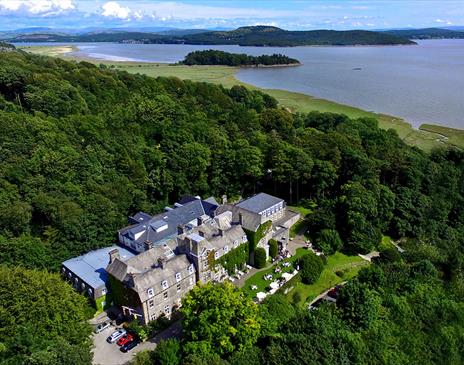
(293, 14)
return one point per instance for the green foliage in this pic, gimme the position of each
(219, 319)
(43, 319)
(235, 259)
(260, 258)
(255, 237)
(215, 57)
(167, 352)
(143, 332)
(311, 267)
(329, 241)
(273, 248)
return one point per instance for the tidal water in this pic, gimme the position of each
(422, 84)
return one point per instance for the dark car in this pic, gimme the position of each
(333, 293)
(129, 346)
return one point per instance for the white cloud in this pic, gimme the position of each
(35, 7)
(112, 9)
(443, 21)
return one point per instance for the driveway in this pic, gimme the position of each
(105, 353)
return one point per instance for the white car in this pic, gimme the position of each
(116, 335)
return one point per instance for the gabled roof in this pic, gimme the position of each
(90, 267)
(179, 216)
(259, 202)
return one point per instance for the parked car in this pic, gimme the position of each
(129, 346)
(333, 293)
(125, 339)
(116, 335)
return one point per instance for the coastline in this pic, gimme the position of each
(426, 137)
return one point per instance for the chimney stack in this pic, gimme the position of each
(148, 245)
(161, 261)
(114, 254)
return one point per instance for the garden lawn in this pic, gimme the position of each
(339, 268)
(258, 278)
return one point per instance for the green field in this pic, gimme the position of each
(345, 266)
(426, 138)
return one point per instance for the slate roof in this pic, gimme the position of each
(90, 267)
(179, 216)
(259, 202)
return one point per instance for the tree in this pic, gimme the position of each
(359, 305)
(276, 310)
(311, 267)
(260, 257)
(329, 241)
(273, 248)
(219, 319)
(42, 316)
(167, 352)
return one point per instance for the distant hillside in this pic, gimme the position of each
(245, 36)
(272, 36)
(427, 33)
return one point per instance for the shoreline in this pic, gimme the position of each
(426, 136)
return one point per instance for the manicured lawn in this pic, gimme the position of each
(346, 266)
(258, 278)
(386, 243)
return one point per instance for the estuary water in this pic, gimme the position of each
(422, 83)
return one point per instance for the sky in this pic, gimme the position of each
(287, 14)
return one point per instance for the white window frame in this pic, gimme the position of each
(178, 277)
(190, 269)
(151, 303)
(178, 288)
(152, 316)
(104, 291)
(150, 292)
(164, 284)
(165, 295)
(244, 238)
(167, 309)
(191, 282)
(226, 248)
(216, 254)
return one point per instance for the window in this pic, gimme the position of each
(90, 291)
(178, 277)
(178, 287)
(191, 280)
(165, 295)
(236, 243)
(83, 286)
(164, 284)
(216, 255)
(244, 238)
(151, 303)
(104, 291)
(150, 293)
(152, 317)
(167, 309)
(191, 269)
(226, 248)
(69, 275)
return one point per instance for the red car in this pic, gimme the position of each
(125, 339)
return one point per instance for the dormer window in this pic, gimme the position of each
(90, 291)
(244, 238)
(164, 284)
(178, 276)
(191, 269)
(150, 293)
(235, 243)
(226, 249)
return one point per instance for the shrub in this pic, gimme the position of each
(311, 267)
(273, 248)
(329, 241)
(167, 352)
(260, 258)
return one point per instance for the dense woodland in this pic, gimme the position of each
(214, 57)
(83, 147)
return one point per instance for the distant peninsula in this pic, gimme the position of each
(427, 33)
(214, 57)
(263, 36)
